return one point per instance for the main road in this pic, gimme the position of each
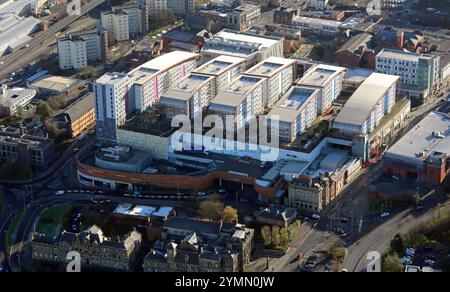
(19, 57)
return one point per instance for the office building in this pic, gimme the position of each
(316, 26)
(419, 73)
(80, 115)
(12, 100)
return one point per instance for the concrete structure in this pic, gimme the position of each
(122, 22)
(243, 99)
(367, 106)
(157, 8)
(80, 116)
(56, 85)
(316, 26)
(27, 149)
(122, 158)
(97, 252)
(14, 99)
(118, 94)
(189, 96)
(244, 16)
(280, 74)
(254, 48)
(419, 73)
(77, 50)
(422, 154)
(198, 246)
(329, 80)
(224, 68)
(295, 112)
(15, 31)
(277, 216)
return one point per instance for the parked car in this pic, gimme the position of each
(315, 216)
(385, 215)
(407, 260)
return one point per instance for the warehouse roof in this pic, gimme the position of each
(432, 134)
(56, 83)
(361, 103)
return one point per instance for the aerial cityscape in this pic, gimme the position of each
(213, 136)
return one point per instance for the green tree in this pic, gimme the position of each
(284, 236)
(276, 238)
(43, 110)
(266, 234)
(393, 264)
(87, 73)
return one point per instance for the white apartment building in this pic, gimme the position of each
(121, 22)
(243, 99)
(368, 105)
(280, 74)
(155, 77)
(254, 48)
(189, 96)
(419, 73)
(111, 92)
(14, 99)
(329, 80)
(295, 112)
(224, 68)
(76, 50)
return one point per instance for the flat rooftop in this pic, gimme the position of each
(237, 91)
(219, 65)
(185, 88)
(111, 78)
(15, 95)
(401, 55)
(289, 107)
(359, 106)
(421, 138)
(135, 210)
(56, 83)
(320, 75)
(317, 21)
(270, 66)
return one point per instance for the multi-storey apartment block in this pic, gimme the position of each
(243, 99)
(224, 68)
(329, 80)
(295, 112)
(190, 96)
(76, 50)
(280, 74)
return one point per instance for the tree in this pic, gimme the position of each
(284, 236)
(57, 102)
(229, 214)
(276, 239)
(211, 210)
(87, 73)
(266, 234)
(392, 264)
(398, 244)
(43, 110)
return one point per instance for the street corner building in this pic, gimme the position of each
(96, 251)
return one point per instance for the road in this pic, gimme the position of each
(21, 57)
(380, 238)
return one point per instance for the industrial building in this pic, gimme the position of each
(419, 73)
(280, 74)
(13, 100)
(254, 48)
(15, 31)
(77, 50)
(367, 106)
(56, 85)
(295, 112)
(243, 99)
(190, 96)
(328, 79)
(423, 153)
